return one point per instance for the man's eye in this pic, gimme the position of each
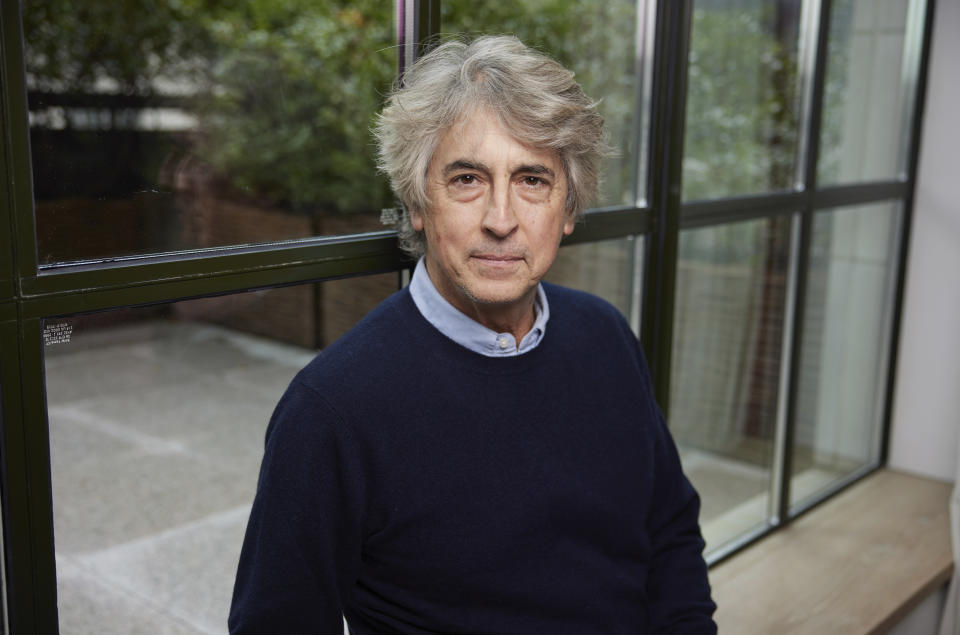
(533, 181)
(465, 179)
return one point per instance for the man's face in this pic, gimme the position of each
(496, 217)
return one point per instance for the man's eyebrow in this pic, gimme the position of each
(464, 164)
(535, 168)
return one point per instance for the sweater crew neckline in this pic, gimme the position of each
(465, 330)
(426, 336)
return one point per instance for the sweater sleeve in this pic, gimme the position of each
(301, 552)
(678, 590)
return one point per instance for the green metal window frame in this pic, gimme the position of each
(6, 244)
(7, 255)
(30, 293)
(13, 483)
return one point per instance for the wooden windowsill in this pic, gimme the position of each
(857, 563)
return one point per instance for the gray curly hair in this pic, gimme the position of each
(536, 99)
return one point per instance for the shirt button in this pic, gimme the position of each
(503, 342)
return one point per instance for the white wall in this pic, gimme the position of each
(925, 618)
(926, 415)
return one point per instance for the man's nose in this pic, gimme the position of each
(500, 218)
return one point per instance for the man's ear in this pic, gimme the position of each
(416, 219)
(570, 223)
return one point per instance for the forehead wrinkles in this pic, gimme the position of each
(464, 141)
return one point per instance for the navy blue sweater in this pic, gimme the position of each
(417, 487)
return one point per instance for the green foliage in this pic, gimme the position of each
(284, 90)
(119, 46)
(294, 90)
(742, 105)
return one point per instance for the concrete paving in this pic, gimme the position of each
(156, 435)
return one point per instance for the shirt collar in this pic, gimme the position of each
(468, 332)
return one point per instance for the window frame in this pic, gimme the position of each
(808, 198)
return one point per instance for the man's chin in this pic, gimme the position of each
(500, 293)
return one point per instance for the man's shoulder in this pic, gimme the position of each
(376, 339)
(591, 325)
(580, 305)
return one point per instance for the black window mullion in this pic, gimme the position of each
(703, 213)
(18, 572)
(428, 24)
(858, 194)
(418, 24)
(7, 289)
(39, 507)
(17, 186)
(6, 243)
(913, 159)
(669, 89)
(175, 289)
(609, 224)
(731, 210)
(310, 260)
(27, 511)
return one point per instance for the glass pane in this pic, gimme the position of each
(157, 421)
(846, 338)
(159, 127)
(861, 137)
(727, 344)
(742, 102)
(611, 269)
(597, 39)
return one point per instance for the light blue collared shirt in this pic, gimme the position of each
(466, 331)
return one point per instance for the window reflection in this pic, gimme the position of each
(861, 137)
(742, 100)
(157, 419)
(165, 126)
(845, 344)
(727, 349)
(610, 269)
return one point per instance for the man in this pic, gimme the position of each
(482, 453)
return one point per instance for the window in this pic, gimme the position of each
(191, 210)
(785, 283)
(182, 126)
(727, 355)
(865, 105)
(608, 268)
(844, 344)
(743, 101)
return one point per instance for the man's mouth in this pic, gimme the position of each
(498, 257)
